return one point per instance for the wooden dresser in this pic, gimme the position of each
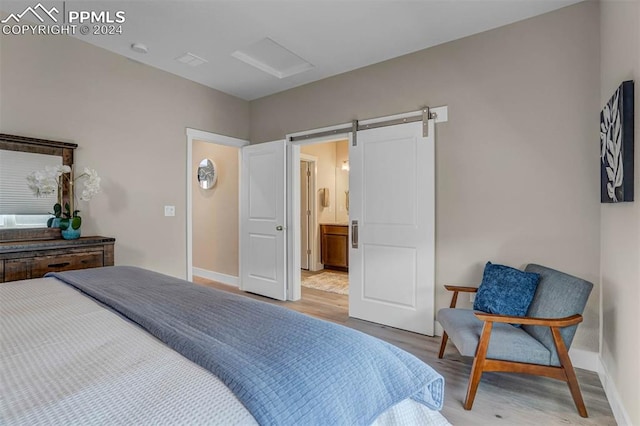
(334, 241)
(20, 260)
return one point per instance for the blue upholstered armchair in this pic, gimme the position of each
(540, 346)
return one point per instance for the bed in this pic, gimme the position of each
(123, 345)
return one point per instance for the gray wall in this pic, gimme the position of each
(620, 229)
(129, 121)
(517, 163)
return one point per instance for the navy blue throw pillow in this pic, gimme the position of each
(505, 290)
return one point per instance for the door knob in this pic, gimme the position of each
(279, 228)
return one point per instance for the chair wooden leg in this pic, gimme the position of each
(572, 381)
(474, 381)
(569, 372)
(478, 365)
(443, 344)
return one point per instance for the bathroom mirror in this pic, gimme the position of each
(207, 174)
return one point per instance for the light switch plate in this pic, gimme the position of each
(169, 210)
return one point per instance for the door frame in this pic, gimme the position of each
(294, 291)
(314, 259)
(215, 138)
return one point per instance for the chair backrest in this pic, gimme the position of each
(558, 295)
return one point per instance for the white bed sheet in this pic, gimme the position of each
(65, 359)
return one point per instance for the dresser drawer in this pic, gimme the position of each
(17, 269)
(66, 262)
(36, 267)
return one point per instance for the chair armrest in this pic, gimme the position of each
(456, 289)
(548, 322)
(461, 288)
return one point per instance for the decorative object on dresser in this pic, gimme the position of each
(334, 240)
(20, 260)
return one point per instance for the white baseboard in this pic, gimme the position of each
(615, 402)
(217, 276)
(439, 330)
(587, 360)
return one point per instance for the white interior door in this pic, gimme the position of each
(262, 220)
(305, 214)
(391, 192)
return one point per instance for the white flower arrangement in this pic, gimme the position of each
(91, 184)
(45, 182)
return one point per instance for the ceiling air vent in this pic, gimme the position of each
(272, 58)
(191, 59)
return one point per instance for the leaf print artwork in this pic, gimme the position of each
(611, 154)
(616, 139)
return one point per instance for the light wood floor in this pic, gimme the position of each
(502, 399)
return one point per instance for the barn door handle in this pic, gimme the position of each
(354, 234)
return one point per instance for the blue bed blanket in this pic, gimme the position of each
(285, 367)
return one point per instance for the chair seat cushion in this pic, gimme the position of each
(507, 342)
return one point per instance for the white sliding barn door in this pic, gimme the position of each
(262, 220)
(391, 191)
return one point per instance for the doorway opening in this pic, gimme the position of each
(212, 210)
(324, 216)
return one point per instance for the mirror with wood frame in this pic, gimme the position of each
(30, 154)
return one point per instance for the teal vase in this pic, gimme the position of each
(70, 228)
(70, 233)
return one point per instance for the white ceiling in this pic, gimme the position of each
(334, 36)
